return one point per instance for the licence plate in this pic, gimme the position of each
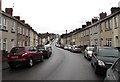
(14, 57)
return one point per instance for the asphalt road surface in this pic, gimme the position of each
(62, 65)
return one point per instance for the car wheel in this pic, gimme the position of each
(42, 59)
(84, 56)
(92, 64)
(30, 62)
(96, 69)
(12, 66)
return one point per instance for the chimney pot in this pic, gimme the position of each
(88, 23)
(17, 17)
(114, 9)
(94, 20)
(9, 11)
(103, 15)
(83, 26)
(23, 21)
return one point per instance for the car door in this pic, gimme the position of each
(33, 53)
(114, 72)
(94, 56)
(36, 53)
(85, 52)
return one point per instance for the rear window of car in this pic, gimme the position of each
(17, 50)
(109, 52)
(90, 48)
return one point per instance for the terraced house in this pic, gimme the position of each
(103, 32)
(15, 32)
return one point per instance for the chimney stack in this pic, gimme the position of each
(83, 26)
(94, 20)
(88, 23)
(114, 9)
(103, 15)
(23, 21)
(9, 11)
(17, 17)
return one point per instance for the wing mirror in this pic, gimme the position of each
(95, 53)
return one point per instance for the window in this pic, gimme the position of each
(0, 44)
(109, 52)
(106, 25)
(19, 43)
(13, 27)
(26, 32)
(116, 22)
(95, 41)
(31, 49)
(109, 42)
(5, 24)
(23, 31)
(20, 30)
(12, 42)
(100, 27)
(116, 67)
(5, 44)
(17, 49)
(109, 24)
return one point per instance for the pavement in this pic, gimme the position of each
(4, 65)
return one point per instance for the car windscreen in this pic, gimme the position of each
(77, 46)
(109, 52)
(90, 49)
(17, 49)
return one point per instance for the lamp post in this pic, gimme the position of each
(66, 36)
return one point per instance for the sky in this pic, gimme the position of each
(57, 16)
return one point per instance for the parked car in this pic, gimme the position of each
(46, 53)
(88, 53)
(69, 47)
(66, 47)
(113, 73)
(23, 55)
(76, 48)
(48, 48)
(103, 58)
(57, 45)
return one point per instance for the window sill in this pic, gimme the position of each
(4, 30)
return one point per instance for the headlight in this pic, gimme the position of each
(90, 55)
(8, 55)
(101, 63)
(41, 52)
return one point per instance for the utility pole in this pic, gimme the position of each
(66, 36)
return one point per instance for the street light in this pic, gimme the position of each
(66, 36)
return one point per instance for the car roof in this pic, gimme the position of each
(105, 47)
(26, 47)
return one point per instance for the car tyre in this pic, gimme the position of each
(96, 69)
(30, 62)
(42, 58)
(12, 66)
(92, 64)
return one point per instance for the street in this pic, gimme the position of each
(62, 65)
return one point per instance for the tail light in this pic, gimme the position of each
(24, 54)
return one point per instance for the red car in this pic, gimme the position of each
(24, 55)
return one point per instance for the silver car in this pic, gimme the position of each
(88, 53)
(113, 73)
(76, 48)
